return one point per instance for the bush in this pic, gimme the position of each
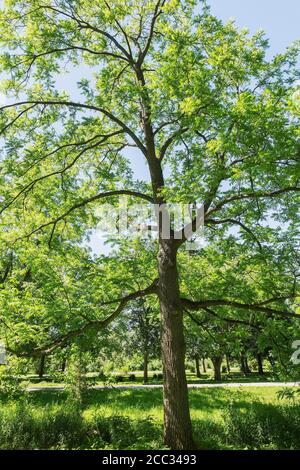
(210, 434)
(119, 378)
(132, 377)
(263, 425)
(22, 427)
(121, 432)
(11, 388)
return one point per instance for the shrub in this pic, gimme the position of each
(11, 388)
(121, 432)
(263, 425)
(132, 377)
(22, 427)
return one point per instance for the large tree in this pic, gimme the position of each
(213, 119)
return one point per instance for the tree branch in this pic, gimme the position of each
(90, 325)
(170, 140)
(30, 185)
(72, 104)
(235, 222)
(157, 13)
(86, 201)
(253, 195)
(203, 304)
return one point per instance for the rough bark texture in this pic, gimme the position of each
(204, 366)
(197, 364)
(177, 421)
(217, 362)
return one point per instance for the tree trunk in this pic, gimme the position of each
(260, 365)
(177, 421)
(217, 362)
(204, 366)
(197, 363)
(227, 363)
(41, 368)
(146, 360)
(63, 364)
(248, 370)
(244, 365)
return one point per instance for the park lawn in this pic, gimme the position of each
(148, 403)
(120, 378)
(132, 419)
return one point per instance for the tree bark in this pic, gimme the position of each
(244, 365)
(41, 368)
(63, 364)
(248, 370)
(146, 360)
(197, 363)
(204, 366)
(217, 362)
(260, 365)
(227, 363)
(177, 421)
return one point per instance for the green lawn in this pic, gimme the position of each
(136, 378)
(132, 419)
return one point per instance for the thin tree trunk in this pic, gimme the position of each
(197, 364)
(146, 360)
(227, 363)
(41, 368)
(217, 362)
(243, 365)
(177, 421)
(260, 365)
(63, 364)
(248, 370)
(204, 366)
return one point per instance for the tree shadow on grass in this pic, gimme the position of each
(145, 399)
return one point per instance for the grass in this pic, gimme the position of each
(132, 419)
(232, 377)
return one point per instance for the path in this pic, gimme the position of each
(210, 385)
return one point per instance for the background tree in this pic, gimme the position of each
(143, 335)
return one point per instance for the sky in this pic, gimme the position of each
(280, 19)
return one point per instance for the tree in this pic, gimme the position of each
(194, 349)
(144, 332)
(190, 94)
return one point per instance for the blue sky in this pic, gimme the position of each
(280, 19)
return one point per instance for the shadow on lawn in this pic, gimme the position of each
(144, 399)
(132, 419)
